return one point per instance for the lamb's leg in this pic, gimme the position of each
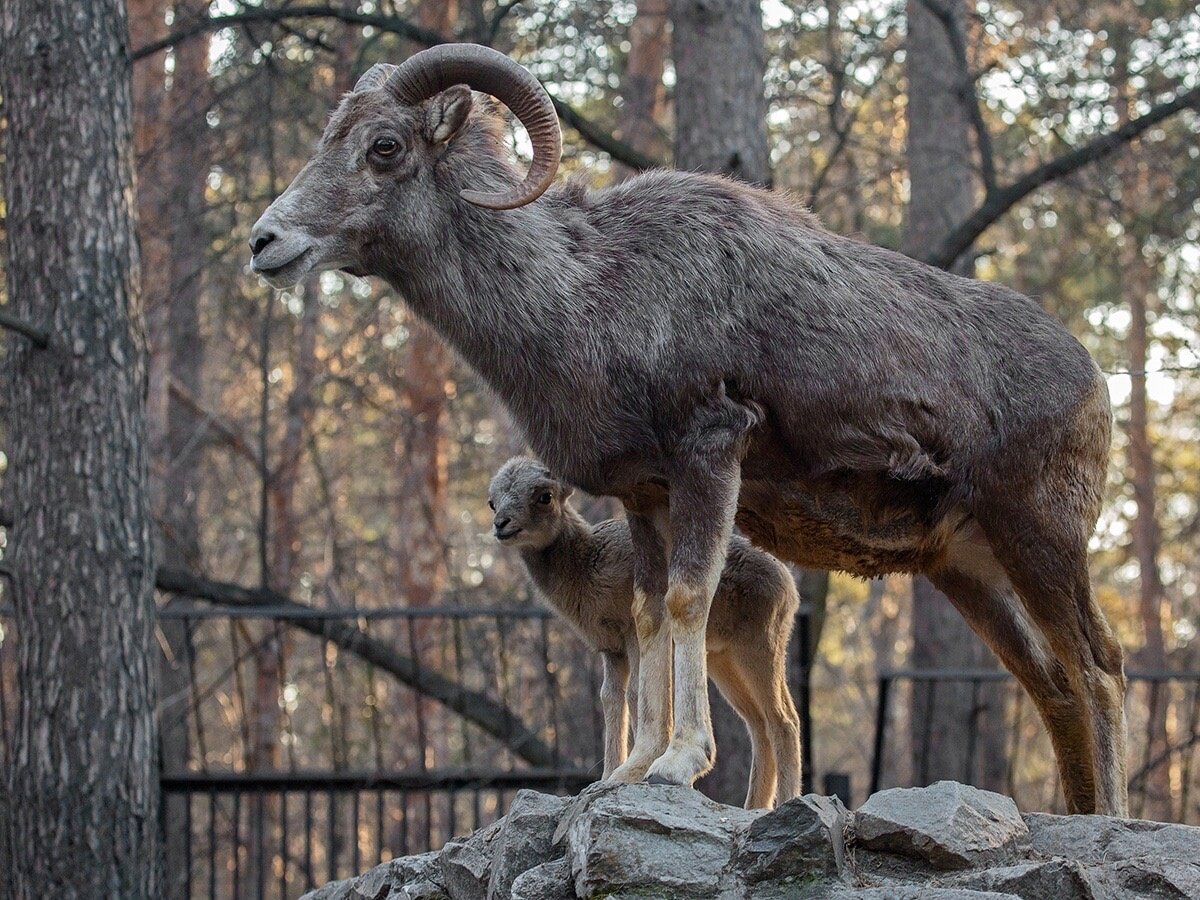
(653, 729)
(616, 713)
(703, 500)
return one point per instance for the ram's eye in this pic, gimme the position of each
(491, 506)
(386, 147)
(544, 499)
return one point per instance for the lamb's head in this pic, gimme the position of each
(529, 503)
(387, 171)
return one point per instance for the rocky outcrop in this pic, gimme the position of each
(944, 842)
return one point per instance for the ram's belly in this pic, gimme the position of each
(833, 529)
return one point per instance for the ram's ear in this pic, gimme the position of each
(446, 113)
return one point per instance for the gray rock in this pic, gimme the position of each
(910, 892)
(656, 840)
(335, 890)
(803, 837)
(1056, 879)
(419, 890)
(466, 864)
(948, 825)
(549, 881)
(1151, 876)
(528, 839)
(1103, 839)
(416, 877)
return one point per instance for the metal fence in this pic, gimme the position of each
(304, 745)
(1164, 780)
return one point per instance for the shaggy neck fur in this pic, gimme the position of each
(560, 569)
(503, 291)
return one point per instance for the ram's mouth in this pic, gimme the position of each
(286, 273)
(503, 536)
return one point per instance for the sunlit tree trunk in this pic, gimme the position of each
(1136, 276)
(81, 793)
(942, 178)
(643, 95)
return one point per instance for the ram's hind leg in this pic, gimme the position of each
(1047, 565)
(980, 590)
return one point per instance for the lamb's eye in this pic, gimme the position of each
(386, 147)
(544, 499)
(491, 506)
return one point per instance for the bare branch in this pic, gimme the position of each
(588, 130)
(1004, 199)
(38, 337)
(495, 718)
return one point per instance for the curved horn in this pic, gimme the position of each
(431, 71)
(374, 77)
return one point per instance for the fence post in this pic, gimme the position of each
(881, 702)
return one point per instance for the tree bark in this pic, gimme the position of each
(1136, 276)
(721, 126)
(942, 178)
(82, 780)
(643, 95)
(720, 103)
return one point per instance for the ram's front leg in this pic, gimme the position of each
(652, 730)
(702, 506)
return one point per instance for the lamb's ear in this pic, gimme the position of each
(446, 113)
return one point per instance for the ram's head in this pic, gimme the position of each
(383, 169)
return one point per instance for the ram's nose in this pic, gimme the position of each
(261, 236)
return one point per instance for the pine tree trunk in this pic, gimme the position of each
(643, 95)
(942, 194)
(720, 103)
(721, 126)
(82, 780)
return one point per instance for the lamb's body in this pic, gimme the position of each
(585, 573)
(704, 350)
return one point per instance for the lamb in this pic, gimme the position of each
(585, 573)
(706, 352)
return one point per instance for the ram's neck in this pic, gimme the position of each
(503, 290)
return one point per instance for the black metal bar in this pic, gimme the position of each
(379, 829)
(972, 731)
(284, 850)
(212, 845)
(332, 849)
(237, 843)
(403, 849)
(276, 611)
(260, 847)
(881, 703)
(188, 872)
(354, 849)
(927, 733)
(806, 741)
(308, 835)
